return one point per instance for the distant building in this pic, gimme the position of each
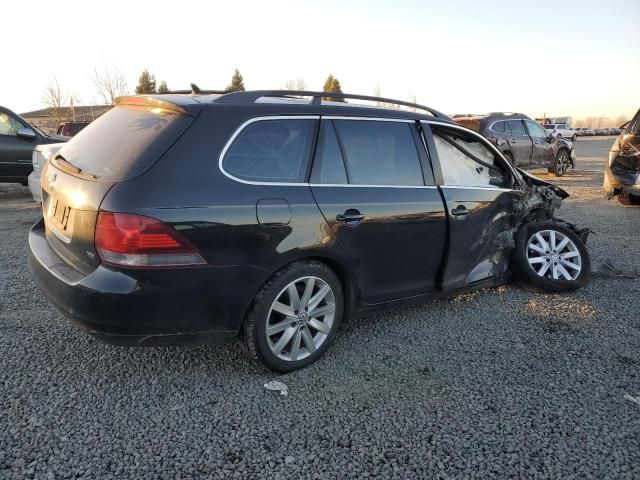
(48, 119)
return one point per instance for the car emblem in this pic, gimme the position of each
(52, 180)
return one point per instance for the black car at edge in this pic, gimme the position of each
(273, 216)
(17, 140)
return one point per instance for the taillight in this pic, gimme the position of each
(138, 241)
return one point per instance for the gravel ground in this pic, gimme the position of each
(496, 383)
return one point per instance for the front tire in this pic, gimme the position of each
(550, 257)
(628, 199)
(561, 163)
(295, 317)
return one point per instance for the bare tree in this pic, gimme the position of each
(297, 84)
(55, 99)
(110, 84)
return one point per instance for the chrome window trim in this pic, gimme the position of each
(371, 119)
(469, 187)
(241, 128)
(369, 186)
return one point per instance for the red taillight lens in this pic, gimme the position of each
(138, 241)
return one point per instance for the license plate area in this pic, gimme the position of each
(60, 219)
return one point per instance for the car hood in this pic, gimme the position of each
(532, 180)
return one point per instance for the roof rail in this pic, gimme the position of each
(317, 97)
(195, 90)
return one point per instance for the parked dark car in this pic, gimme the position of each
(69, 129)
(622, 172)
(523, 141)
(17, 141)
(181, 219)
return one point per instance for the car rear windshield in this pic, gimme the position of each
(124, 142)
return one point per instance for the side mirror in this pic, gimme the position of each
(26, 133)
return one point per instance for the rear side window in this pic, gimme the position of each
(498, 127)
(271, 151)
(379, 152)
(124, 142)
(517, 128)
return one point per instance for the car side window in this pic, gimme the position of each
(466, 161)
(498, 127)
(517, 128)
(535, 130)
(8, 126)
(328, 163)
(271, 151)
(379, 152)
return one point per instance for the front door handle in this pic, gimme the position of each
(460, 211)
(351, 217)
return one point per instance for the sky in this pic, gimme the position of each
(577, 58)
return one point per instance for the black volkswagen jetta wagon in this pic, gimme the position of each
(273, 216)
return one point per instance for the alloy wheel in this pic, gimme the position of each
(300, 318)
(552, 254)
(563, 163)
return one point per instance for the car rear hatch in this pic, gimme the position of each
(119, 146)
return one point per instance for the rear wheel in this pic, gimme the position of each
(550, 257)
(295, 317)
(561, 163)
(628, 199)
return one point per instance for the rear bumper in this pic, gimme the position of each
(146, 307)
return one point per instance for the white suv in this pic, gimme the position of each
(561, 130)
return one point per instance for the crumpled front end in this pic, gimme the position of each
(622, 173)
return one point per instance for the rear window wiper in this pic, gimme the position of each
(65, 164)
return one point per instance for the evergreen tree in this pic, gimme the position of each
(237, 83)
(332, 84)
(146, 83)
(162, 88)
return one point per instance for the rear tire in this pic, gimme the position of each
(561, 163)
(281, 331)
(628, 199)
(550, 257)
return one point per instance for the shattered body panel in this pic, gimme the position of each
(497, 216)
(622, 172)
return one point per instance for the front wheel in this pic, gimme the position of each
(295, 317)
(550, 257)
(628, 199)
(561, 163)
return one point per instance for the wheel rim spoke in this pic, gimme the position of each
(294, 297)
(552, 239)
(324, 310)
(543, 243)
(318, 297)
(538, 249)
(563, 271)
(308, 340)
(537, 260)
(319, 326)
(562, 244)
(285, 310)
(567, 255)
(284, 339)
(544, 269)
(569, 264)
(308, 290)
(295, 347)
(279, 327)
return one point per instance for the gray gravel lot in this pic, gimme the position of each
(492, 384)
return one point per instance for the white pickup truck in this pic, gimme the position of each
(561, 130)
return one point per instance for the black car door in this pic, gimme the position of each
(520, 143)
(15, 150)
(542, 148)
(477, 186)
(373, 184)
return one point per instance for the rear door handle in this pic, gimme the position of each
(351, 217)
(460, 211)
